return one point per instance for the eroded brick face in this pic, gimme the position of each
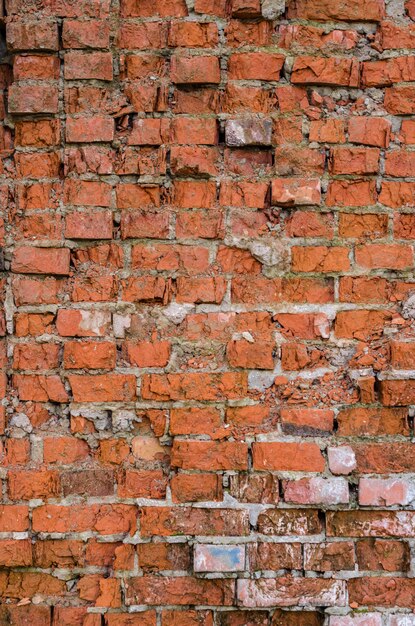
(207, 353)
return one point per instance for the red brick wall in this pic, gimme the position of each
(208, 353)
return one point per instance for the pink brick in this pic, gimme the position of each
(342, 460)
(386, 491)
(219, 558)
(317, 490)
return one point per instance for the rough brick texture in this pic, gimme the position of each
(207, 353)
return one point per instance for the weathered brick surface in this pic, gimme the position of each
(207, 330)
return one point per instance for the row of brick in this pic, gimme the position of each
(152, 484)
(68, 616)
(381, 555)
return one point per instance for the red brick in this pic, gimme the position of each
(142, 36)
(144, 223)
(310, 224)
(351, 10)
(87, 193)
(196, 162)
(190, 488)
(90, 34)
(95, 65)
(206, 455)
(134, 196)
(404, 226)
(197, 69)
(351, 161)
(146, 618)
(17, 452)
(40, 388)
(399, 100)
(33, 324)
(378, 256)
(35, 67)
(142, 484)
(38, 165)
(325, 71)
(382, 555)
(91, 8)
(200, 290)
(32, 35)
(84, 129)
(188, 617)
(190, 130)
(255, 488)
(293, 192)
(370, 592)
(303, 325)
(249, 195)
(282, 456)
(30, 260)
(363, 225)
(257, 355)
(148, 354)
(82, 323)
(393, 458)
(307, 421)
(88, 226)
(327, 131)
(103, 387)
(35, 356)
(151, 589)
(320, 259)
(145, 289)
(167, 521)
(28, 485)
(192, 35)
(369, 523)
(297, 618)
(71, 616)
(351, 193)
(368, 422)
(211, 7)
(163, 556)
(329, 556)
(114, 451)
(65, 450)
(407, 132)
(295, 36)
(40, 133)
(105, 519)
(274, 556)
(240, 33)
(255, 66)
(148, 131)
(33, 99)
(147, 8)
(370, 131)
(360, 324)
(399, 163)
(388, 72)
(299, 161)
(393, 36)
(14, 518)
(245, 8)
(195, 421)
(193, 386)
